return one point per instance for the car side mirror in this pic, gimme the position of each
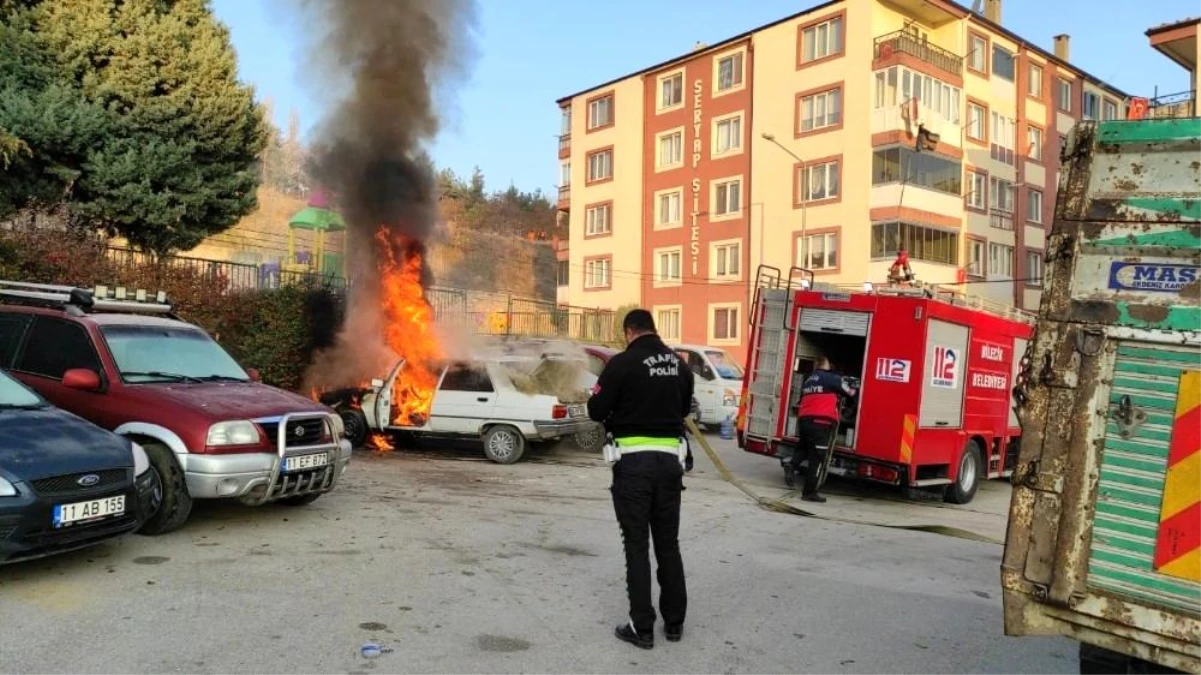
(254, 374)
(81, 379)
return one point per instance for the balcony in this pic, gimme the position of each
(904, 42)
(1001, 220)
(564, 197)
(1183, 104)
(564, 146)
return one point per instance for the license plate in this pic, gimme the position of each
(306, 462)
(577, 411)
(65, 514)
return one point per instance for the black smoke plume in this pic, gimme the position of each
(388, 69)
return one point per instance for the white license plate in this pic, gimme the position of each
(65, 514)
(577, 411)
(306, 462)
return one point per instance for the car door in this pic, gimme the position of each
(705, 388)
(465, 398)
(52, 347)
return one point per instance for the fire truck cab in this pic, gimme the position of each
(935, 368)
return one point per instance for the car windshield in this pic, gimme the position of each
(726, 367)
(13, 394)
(169, 354)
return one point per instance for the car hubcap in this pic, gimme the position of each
(967, 471)
(501, 445)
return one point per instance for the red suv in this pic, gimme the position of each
(210, 429)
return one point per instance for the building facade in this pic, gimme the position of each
(795, 144)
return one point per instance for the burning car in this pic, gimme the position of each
(506, 401)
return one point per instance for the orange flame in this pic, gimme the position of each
(380, 443)
(409, 327)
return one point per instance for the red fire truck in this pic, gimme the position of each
(934, 409)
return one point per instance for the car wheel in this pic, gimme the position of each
(504, 444)
(176, 503)
(301, 500)
(591, 440)
(968, 479)
(355, 423)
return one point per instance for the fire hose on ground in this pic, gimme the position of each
(779, 506)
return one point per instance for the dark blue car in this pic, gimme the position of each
(64, 482)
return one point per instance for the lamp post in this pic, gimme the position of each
(771, 138)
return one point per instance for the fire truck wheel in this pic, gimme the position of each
(504, 444)
(964, 488)
(355, 423)
(176, 503)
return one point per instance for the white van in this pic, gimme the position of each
(718, 381)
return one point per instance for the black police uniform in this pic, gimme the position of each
(645, 393)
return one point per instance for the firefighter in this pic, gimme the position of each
(900, 273)
(642, 397)
(817, 417)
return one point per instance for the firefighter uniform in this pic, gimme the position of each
(817, 416)
(642, 398)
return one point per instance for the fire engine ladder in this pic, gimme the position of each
(772, 304)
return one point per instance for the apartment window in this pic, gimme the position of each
(562, 272)
(1000, 194)
(600, 166)
(725, 323)
(727, 197)
(1000, 261)
(1034, 143)
(1065, 95)
(598, 220)
(1034, 83)
(920, 169)
(564, 174)
(1092, 106)
(667, 266)
(669, 210)
(727, 260)
(977, 191)
(818, 182)
(667, 323)
(977, 53)
(729, 71)
(820, 111)
(671, 150)
(565, 121)
(1002, 63)
(1034, 268)
(977, 122)
(922, 242)
(975, 257)
(600, 112)
(1034, 205)
(818, 251)
(671, 91)
(729, 135)
(1109, 110)
(899, 85)
(596, 273)
(1003, 137)
(821, 41)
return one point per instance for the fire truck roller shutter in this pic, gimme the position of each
(943, 376)
(834, 321)
(1019, 350)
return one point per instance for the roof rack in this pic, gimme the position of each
(79, 301)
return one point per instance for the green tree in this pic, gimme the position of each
(179, 136)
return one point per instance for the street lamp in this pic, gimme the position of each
(771, 138)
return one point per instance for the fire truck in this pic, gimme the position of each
(936, 367)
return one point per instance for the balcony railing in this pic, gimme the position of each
(903, 42)
(1183, 104)
(1002, 220)
(564, 145)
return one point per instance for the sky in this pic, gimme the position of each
(529, 53)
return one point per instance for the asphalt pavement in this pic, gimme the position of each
(460, 565)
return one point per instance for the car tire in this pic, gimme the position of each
(967, 480)
(176, 504)
(355, 423)
(301, 500)
(590, 441)
(504, 444)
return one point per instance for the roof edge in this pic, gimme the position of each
(1164, 27)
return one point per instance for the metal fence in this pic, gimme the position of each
(238, 276)
(501, 315)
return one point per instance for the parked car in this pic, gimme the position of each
(718, 382)
(210, 429)
(65, 483)
(598, 358)
(478, 398)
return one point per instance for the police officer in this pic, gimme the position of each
(642, 398)
(817, 415)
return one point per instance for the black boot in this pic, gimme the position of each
(674, 633)
(626, 633)
(789, 475)
(813, 497)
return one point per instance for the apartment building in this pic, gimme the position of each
(795, 144)
(1178, 41)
